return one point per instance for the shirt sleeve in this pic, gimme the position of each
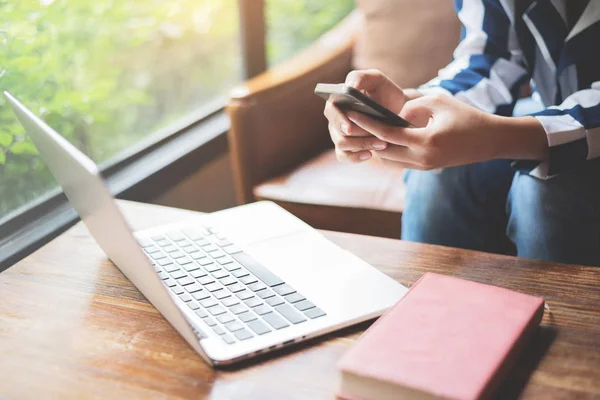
(488, 70)
(573, 130)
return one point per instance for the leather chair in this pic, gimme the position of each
(280, 147)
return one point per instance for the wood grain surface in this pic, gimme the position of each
(72, 326)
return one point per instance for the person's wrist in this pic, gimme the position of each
(518, 138)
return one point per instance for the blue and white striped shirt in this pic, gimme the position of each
(509, 42)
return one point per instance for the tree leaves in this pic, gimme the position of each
(5, 139)
(24, 147)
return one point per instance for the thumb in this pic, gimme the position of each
(379, 87)
(418, 111)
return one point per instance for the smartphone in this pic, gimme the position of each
(347, 98)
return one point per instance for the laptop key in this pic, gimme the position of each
(212, 267)
(243, 334)
(284, 290)
(240, 273)
(186, 281)
(177, 290)
(170, 248)
(171, 267)
(275, 320)
(294, 297)
(201, 295)
(244, 294)
(144, 242)
(234, 326)
(185, 297)
(253, 302)
(177, 254)
(275, 301)
(193, 305)
(191, 267)
(259, 327)
(193, 288)
(225, 318)
(246, 280)
(230, 301)
(175, 235)
(236, 287)
(220, 274)
(262, 309)
(178, 274)
(163, 275)
(209, 321)
(265, 294)
(290, 313)
(198, 255)
(218, 330)
(190, 249)
(184, 243)
(158, 256)
(247, 316)
(213, 287)
(205, 261)
(228, 280)
(151, 249)
(256, 286)
(170, 282)
(208, 303)
(164, 261)
(217, 310)
(198, 273)
(192, 233)
(205, 280)
(221, 294)
(184, 261)
(228, 339)
(163, 243)
(304, 305)
(314, 313)
(224, 260)
(202, 242)
(232, 266)
(238, 309)
(217, 254)
(261, 272)
(201, 313)
(232, 249)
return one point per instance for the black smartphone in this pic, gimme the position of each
(347, 98)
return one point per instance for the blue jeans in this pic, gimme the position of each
(491, 207)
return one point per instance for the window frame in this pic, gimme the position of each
(149, 168)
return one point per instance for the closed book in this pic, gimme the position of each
(447, 338)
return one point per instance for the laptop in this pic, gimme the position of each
(235, 283)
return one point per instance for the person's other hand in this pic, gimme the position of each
(353, 143)
(448, 133)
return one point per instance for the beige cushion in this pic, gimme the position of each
(409, 40)
(325, 181)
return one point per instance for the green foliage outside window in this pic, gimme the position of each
(107, 73)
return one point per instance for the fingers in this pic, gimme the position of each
(418, 111)
(352, 157)
(341, 122)
(385, 132)
(348, 143)
(379, 87)
(366, 80)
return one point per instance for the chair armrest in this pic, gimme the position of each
(276, 120)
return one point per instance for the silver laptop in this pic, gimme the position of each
(235, 283)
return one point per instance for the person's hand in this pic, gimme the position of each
(450, 132)
(352, 143)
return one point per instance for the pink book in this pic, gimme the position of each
(447, 338)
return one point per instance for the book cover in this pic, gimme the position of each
(446, 338)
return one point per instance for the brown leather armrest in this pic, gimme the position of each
(276, 120)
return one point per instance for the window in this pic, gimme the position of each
(294, 24)
(108, 75)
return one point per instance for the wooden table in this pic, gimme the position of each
(72, 326)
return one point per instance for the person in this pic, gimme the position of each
(478, 177)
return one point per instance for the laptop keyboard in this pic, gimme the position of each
(233, 294)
